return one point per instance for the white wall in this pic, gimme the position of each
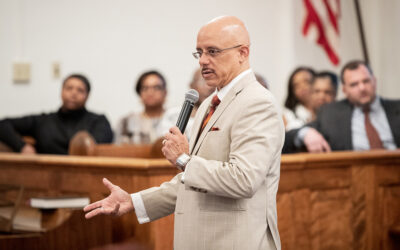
(383, 37)
(112, 42)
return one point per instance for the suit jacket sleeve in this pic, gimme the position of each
(160, 201)
(257, 136)
(290, 146)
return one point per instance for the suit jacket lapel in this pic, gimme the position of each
(201, 112)
(220, 109)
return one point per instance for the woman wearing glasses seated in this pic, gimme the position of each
(142, 127)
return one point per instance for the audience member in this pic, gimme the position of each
(52, 132)
(171, 116)
(143, 127)
(362, 121)
(324, 90)
(298, 110)
(262, 80)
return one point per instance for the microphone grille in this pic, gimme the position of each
(192, 96)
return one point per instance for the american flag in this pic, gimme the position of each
(321, 24)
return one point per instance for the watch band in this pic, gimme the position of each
(182, 160)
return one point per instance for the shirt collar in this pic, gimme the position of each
(374, 106)
(222, 92)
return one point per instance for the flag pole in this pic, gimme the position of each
(361, 29)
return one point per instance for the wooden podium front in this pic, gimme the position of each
(341, 200)
(81, 175)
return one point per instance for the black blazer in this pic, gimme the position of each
(334, 123)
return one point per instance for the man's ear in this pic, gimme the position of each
(244, 53)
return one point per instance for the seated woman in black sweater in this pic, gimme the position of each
(52, 132)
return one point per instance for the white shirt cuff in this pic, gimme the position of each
(299, 139)
(140, 210)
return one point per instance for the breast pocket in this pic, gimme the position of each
(216, 146)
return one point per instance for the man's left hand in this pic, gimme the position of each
(174, 144)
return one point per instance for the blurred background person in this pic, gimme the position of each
(323, 90)
(171, 116)
(262, 80)
(298, 109)
(361, 121)
(142, 127)
(52, 132)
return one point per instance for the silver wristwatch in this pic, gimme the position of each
(182, 160)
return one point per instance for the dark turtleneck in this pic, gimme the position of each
(52, 132)
(71, 114)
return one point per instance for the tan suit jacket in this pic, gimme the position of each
(228, 198)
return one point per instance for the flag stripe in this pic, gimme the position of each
(332, 16)
(313, 19)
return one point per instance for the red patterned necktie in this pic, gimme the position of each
(214, 103)
(373, 136)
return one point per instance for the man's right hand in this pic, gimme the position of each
(315, 142)
(119, 202)
(28, 150)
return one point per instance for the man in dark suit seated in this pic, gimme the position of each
(52, 132)
(362, 121)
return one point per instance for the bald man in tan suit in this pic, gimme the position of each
(225, 198)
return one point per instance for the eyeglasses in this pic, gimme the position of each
(155, 88)
(213, 52)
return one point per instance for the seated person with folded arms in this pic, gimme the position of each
(323, 90)
(171, 115)
(52, 132)
(362, 121)
(142, 127)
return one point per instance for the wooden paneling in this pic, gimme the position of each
(83, 175)
(342, 200)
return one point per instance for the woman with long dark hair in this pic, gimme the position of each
(298, 108)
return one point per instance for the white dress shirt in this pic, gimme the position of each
(377, 116)
(297, 118)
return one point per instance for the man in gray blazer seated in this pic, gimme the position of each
(225, 198)
(362, 121)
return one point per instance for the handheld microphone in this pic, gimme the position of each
(191, 97)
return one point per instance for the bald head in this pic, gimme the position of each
(228, 28)
(224, 46)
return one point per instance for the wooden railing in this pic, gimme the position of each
(55, 175)
(341, 200)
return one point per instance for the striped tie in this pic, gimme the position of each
(214, 103)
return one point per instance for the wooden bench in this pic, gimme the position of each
(84, 144)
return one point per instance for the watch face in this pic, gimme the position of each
(182, 160)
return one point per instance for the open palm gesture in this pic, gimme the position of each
(119, 202)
